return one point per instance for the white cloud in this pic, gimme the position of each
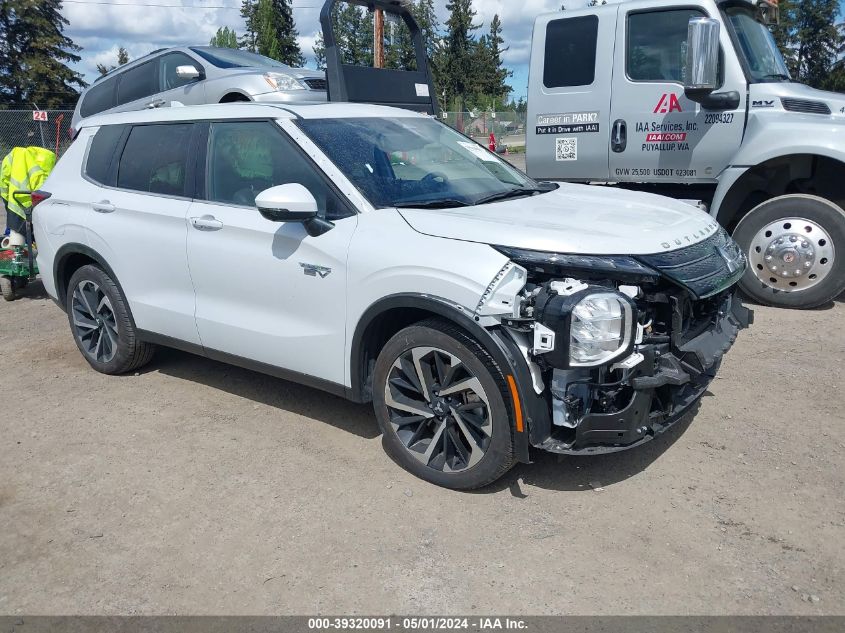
(100, 29)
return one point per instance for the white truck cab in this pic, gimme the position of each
(693, 100)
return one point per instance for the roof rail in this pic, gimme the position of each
(410, 89)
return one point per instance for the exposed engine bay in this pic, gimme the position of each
(620, 348)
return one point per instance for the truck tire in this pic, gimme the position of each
(795, 246)
(440, 401)
(102, 325)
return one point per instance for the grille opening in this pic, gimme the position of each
(805, 106)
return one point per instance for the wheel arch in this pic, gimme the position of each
(792, 172)
(233, 96)
(386, 317)
(70, 258)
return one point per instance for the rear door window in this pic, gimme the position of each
(570, 58)
(137, 83)
(155, 159)
(99, 98)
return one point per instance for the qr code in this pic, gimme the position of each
(566, 149)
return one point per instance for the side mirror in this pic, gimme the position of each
(292, 203)
(187, 72)
(702, 66)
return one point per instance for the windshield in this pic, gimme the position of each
(233, 58)
(762, 57)
(408, 162)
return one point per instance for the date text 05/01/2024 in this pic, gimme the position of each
(416, 624)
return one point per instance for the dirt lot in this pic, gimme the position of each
(198, 488)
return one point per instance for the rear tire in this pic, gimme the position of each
(440, 400)
(795, 246)
(102, 325)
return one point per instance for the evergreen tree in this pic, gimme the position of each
(271, 30)
(492, 75)
(225, 38)
(809, 39)
(122, 58)
(34, 53)
(459, 51)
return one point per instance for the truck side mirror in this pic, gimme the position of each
(702, 67)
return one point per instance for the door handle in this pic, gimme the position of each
(619, 136)
(156, 104)
(103, 206)
(206, 223)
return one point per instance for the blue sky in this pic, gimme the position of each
(100, 26)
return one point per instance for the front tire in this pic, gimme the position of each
(440, 401)
(102, 324)
(795, 246)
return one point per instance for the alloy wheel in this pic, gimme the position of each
(94, 321)
(438, 409)
(792, 254)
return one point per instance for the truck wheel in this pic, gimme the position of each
(796, 251)
(102, 325)
(440, 401)
(7, 287)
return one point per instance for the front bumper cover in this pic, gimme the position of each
(687, 370)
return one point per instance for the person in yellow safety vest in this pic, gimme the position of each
(23, 169)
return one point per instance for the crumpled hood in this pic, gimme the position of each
(577, 219)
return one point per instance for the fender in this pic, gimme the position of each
(528, 407)
(68, 250)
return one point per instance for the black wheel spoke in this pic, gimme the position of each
(94, 321)
(436, 391)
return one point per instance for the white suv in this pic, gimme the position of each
(379, 255)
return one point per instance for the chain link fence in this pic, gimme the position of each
(44, 128)
(508, 127)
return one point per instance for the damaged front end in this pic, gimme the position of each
(619, 348)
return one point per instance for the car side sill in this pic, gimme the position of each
(246, 363)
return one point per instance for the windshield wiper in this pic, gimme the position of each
(778, 76)
(511, 193)
(444, 203)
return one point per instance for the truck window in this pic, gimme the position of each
(570, 58)
(657, 45)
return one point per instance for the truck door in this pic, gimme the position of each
(658, 133)
(569, 95)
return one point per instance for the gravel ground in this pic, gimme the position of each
(198, 488)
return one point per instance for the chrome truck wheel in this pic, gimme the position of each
(795, 247)
(440, 402)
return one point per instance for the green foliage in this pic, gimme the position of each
(34, 53)
(225, 38)
(122, 58)
(460, 52)
(353, 28)
(809, 39)
(271, 30)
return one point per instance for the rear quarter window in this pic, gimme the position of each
(570, 58)
(99, 98)
(155, 159)
(101, 154)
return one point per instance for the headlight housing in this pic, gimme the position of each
(592, 325)
(283, 83)
(600, 329)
